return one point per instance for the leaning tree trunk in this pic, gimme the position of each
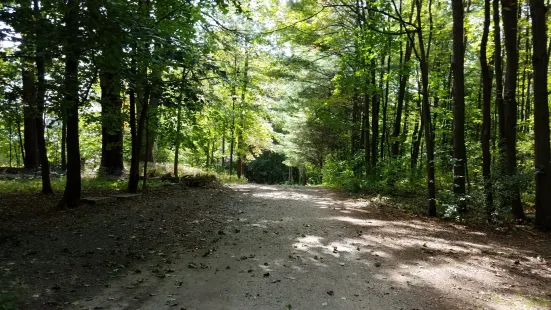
(510, 24)
(459, 152)
(71, 196)
(540, 62)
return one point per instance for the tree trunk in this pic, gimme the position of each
(71, 196)
(134, 159)
(423, 63)
(459, 152)
(232, 129)
(374, 117)
(417, 133)
(64, 140)
(498, 59)
(30, 114)
(144, 183)
(404, 77)
(134, 176)
(384, 137)
(510, 24)
(540, 63)
(366, 126)
(354, 136)
(19, 135)
(179, 123)
(486, 115)
(111, 121)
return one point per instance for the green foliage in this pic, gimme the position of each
(267, 168)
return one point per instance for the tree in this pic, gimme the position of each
(540, 64)
(71, 195)
(459, 152)
(486, 114)
(40, 98)
(510, 24)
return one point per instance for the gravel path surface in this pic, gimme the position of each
(306, 248)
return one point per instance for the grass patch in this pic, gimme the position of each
(33, 185)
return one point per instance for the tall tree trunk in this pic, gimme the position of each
(486, 115)
(109, 67)
(30, 114)
(19, 135)
(422, 55)
(64, 140)
(459, 152)
(384, 137)
(144, 183)
(374, 116)
(179, 123)
(177, 144)
(524, 92)
(223, 161)
(354, 134)
(232, 129)
(240, 139)
(510, 24)
(498, 59)
(404, 77)
(71, 196)
(540, 63)
(367, 152)
(417, 133)
(152, 116)
(134, 174)
(111, 121)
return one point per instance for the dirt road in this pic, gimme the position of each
(306, 248)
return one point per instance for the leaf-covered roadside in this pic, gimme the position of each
(48, 258)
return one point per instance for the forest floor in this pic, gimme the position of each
(261, 247)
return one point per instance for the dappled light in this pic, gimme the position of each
(298, 154)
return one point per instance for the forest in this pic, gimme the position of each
(381, 96)
(436, 108)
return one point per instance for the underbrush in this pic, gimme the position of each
(93, 179)
(408, 191)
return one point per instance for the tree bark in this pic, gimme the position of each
(365, 124)
(111, 121)
(498, 64)
(459, 152)
(71, 196)
(486, 115)
(540, 63)
(374, 116)
(179, 123)
(510, 24)
(30, 114)
(384, 137)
